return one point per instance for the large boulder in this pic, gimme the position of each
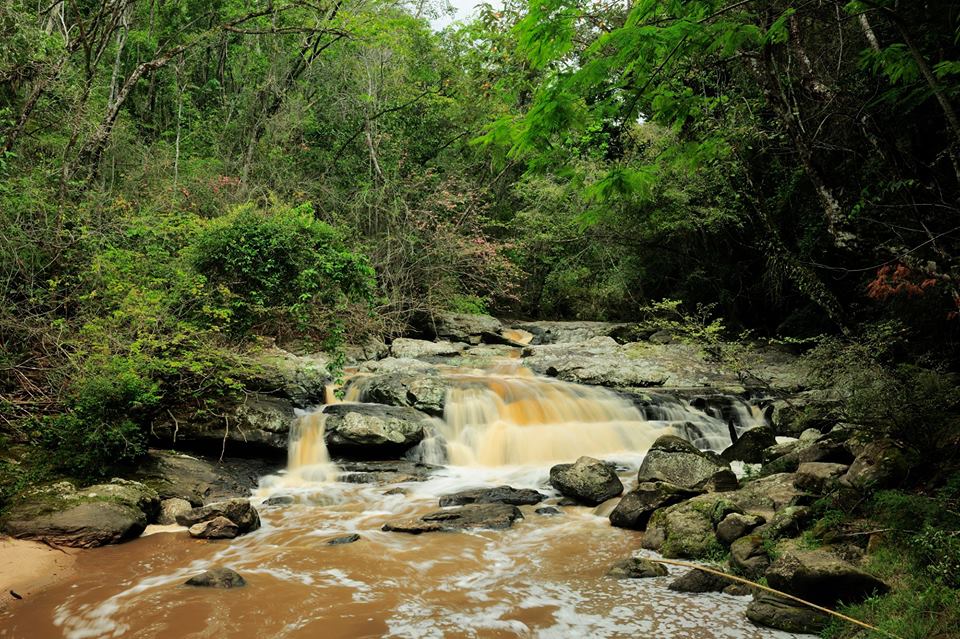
(819, 477)
(469, 516)
(750, 446)
(636, 507)
(257, 425)
(424, 390)
(498, 495)
(301, 379)
(820, 577)
(767, 495)
(677, 461)
(462, 327)
(238, 511)
(373, 430)
(170, 508)
(686, 530)
(882, 464)
(199, 480)
(573, 332)
(93, 516)
(781, 613)
(597, 361)
(588, 480)
(417, 348)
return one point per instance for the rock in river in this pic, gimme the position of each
(637, 568)
(498, 495)
(238, 511)
(216, 528)
(589, 480)
(463, 517)
(217, 578)
(677, 461)
(373, 430)
(636, 507)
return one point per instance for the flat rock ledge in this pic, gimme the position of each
(490, 516)
(498, 495)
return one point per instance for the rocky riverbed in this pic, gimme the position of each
(531, 459)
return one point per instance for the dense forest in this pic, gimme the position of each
(180, 178)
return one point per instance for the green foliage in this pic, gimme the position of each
(268, 270)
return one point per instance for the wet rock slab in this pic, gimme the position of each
(217, 578)
(384, 472)
(498, 495)
(491, 516)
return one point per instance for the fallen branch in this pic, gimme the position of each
(753, 584)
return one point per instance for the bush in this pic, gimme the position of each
(274, 271)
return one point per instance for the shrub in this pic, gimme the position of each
(273, 271)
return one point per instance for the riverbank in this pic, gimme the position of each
(27, 568)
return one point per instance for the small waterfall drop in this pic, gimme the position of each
(307, 456)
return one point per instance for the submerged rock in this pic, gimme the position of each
(217, 578)
(548, 510)
(384, 471)
(637, 568)
(677, 461)
(780, 613)
(238, 511)
(637, 506)
(216, 528)
(344, 539)
(279, 500)
(498, 495)
(373, 429)
(93, 516)
(588, 480)
(494, 516)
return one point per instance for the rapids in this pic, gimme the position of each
(542, 578)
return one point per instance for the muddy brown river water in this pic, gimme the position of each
(544, 577)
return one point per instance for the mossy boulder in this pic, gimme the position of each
(685, 530)
(677, 461)
(588, 480)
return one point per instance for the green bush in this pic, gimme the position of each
(272, 271)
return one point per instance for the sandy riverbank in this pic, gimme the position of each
(27, 567)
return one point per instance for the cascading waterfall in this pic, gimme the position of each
(307, 457)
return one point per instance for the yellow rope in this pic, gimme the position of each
(685, 564)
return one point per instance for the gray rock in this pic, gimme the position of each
(751, 445)
(738, 590)
(697, 580)
(736, 525)
(547, 510)
(417, 348)
(684, 530)
(825, 451)
(239, 511)
(198, 480)
(784, 614)
(636, 507)
(94, 516)
(572, 332)
(460, 327)
(492, 516)
(767, 495)
(788, 523)
(882, 464)
(748, 556)
(588, 480)
(301, 379)
(384, 471)
(344, 539)
(425, 391)
(170, 508)
(819, 577)
(498, 495)
(217, 578)
(819, 477)
(373, 429)
(637, 568)
(216, 528)
(677, 461)
(255, 425)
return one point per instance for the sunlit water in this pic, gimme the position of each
(542, 578)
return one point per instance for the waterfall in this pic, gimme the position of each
(307, 456)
